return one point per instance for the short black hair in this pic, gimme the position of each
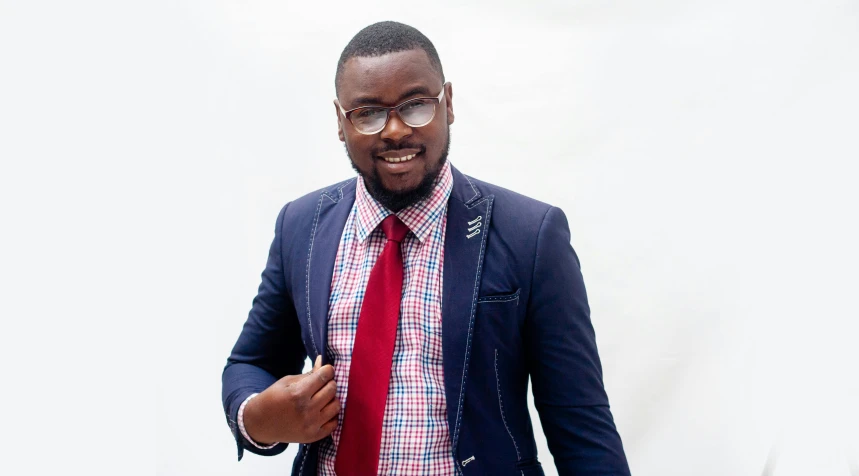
(386, 37)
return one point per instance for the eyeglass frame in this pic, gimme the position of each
(388, 111)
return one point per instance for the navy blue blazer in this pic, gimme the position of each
(513, 306)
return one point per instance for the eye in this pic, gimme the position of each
(414, 105)
(368, 112)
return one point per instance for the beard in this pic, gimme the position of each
(396, 200)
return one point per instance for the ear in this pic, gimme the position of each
(339, 123)
(448, 96)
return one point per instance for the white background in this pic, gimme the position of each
(704, 153)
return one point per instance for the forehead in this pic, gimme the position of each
(386, 78)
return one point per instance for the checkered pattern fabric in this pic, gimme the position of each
(415, 437)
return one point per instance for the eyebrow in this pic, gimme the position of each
(374, 101)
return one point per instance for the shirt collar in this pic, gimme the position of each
(419, 217)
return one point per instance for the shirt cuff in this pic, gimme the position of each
(241, 419)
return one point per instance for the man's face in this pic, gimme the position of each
(389, 80)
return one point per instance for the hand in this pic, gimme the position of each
(295, 409)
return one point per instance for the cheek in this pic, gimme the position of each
(360, 148)
(438, 138)
(356, 143)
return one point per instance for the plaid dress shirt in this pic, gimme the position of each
(415, 437)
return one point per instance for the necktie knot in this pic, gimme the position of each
(394, 228)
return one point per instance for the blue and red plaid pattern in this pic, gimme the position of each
(415, 437)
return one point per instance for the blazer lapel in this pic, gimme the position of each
(331, 213)
(468, 216)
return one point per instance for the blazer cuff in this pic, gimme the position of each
(242, 442)
(241, 422)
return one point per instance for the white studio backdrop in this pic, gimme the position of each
(701, 152)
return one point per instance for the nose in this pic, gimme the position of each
(395, 130)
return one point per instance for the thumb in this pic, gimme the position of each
(291, 379)
(316, 365)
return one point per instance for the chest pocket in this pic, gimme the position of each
(496, 319)
(499, 298)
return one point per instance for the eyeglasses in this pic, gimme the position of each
(416, 112)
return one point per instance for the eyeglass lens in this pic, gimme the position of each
(416, 113)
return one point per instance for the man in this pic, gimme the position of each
(426, 299)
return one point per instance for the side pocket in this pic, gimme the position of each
(501, 404)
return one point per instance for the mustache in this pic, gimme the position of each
(394, 148)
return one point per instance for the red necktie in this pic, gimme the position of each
(372, 353)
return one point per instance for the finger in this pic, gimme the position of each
(324, 395)
(310, 384)
(330, 411)
(327, 428)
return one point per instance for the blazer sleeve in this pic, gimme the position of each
(269, 346)
(563, 362)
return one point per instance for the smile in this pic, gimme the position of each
(394, 160)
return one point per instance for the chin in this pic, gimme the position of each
(403, 186)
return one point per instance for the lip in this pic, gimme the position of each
(398, 153)
(400, 167)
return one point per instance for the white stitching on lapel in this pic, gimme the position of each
(476, 193)
(307, 277)
(471, 320)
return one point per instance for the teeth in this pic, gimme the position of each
(400, 159)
